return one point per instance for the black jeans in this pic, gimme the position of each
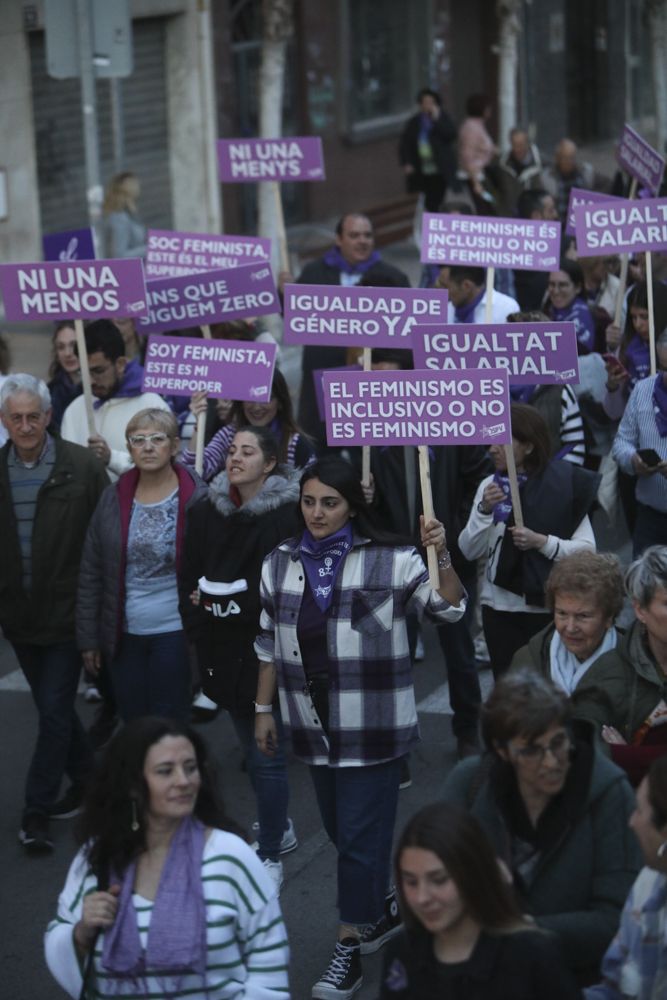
(456, 642)
(62, 745)
(507, 631)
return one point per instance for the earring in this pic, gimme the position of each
(662, 850)
(134, 825)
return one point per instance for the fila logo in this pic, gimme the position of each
(217, 610)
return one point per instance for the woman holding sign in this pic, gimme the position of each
(556, 498)
(566, 303)
(334, 642)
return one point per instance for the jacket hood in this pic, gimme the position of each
(280, 488)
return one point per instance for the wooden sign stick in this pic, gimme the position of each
(651, 311)
(623, 277)
(85, 376)
(201, 422)
(427, 507)
(282, 237)
(366, 448)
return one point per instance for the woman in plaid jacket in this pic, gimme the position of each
(334, 643)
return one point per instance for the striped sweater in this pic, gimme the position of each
(638, 429)
(247, 942)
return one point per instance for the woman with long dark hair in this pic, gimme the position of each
(64, 371)
(334, 644)
(164, 898)
(277, 415)
(464, 934)
(556, 498)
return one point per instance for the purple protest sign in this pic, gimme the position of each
(640, 160)
(578, 196)
(388, 408)
(621, 226)
(365, 317)
(318, 375)
(229, 369)
(171, 254)
(74, 244)
(210, 297)
(295, 158)
(476, 241)
(532, 353)
(73, 290)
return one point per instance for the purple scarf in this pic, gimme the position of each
(130, 384)
(660, 403)
(176, 942)
(503, 509)
(322, 560)
(465, 313)
(334, 258)
(637, 359)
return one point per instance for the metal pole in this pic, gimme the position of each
(117, 124)
(89, 112)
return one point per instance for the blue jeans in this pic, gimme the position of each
(268, 776)
(62, 745)
(151, 676)
(358, 809)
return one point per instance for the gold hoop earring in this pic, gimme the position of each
(134, 825)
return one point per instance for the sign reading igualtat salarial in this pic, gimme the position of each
(640, 160)
(229, 369)
(533, 354)
(366, 317)
(210, 297)
(623, 226)
(73, 290)
(171, 254)
(388, 408)
(294, 158)
(480, 241)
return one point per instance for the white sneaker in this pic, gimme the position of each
(288, 842)
(201, 701)
(274, 869)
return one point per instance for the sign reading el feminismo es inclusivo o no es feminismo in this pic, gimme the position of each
(391, 408)
(533, 354)
(296, 158)
(622, 226)
(171, 254)
(228, 369)
(474, 241)
(368, 317)
(73, 290)
(210, 297)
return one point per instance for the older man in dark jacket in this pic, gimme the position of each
(48, 491)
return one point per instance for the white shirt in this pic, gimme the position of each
(501, 306)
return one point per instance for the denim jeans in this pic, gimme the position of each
(62, 745)
(268, 776)
(358, 809)
(150, 675)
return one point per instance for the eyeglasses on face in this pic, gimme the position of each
(141, 440)
(534, 753)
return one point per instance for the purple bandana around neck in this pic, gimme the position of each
(465, 312)
(334, 258)
(176, 942)
(522, 393)
(322, 560)
(638, 359)
(502, 510)
(660, 403)
(129, 386)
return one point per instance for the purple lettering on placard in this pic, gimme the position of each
(210, 297)
(74, 244)
(228, 369)
(640, 160)
(172, 254)
(522, 244)
(578, 196)
(369, 317)
(292, 158)
(621, 226)
(388, 408)
(532, 354)
(73, 290)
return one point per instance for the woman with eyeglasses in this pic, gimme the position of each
(557, 811)
(566, 303)
(127, 605)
